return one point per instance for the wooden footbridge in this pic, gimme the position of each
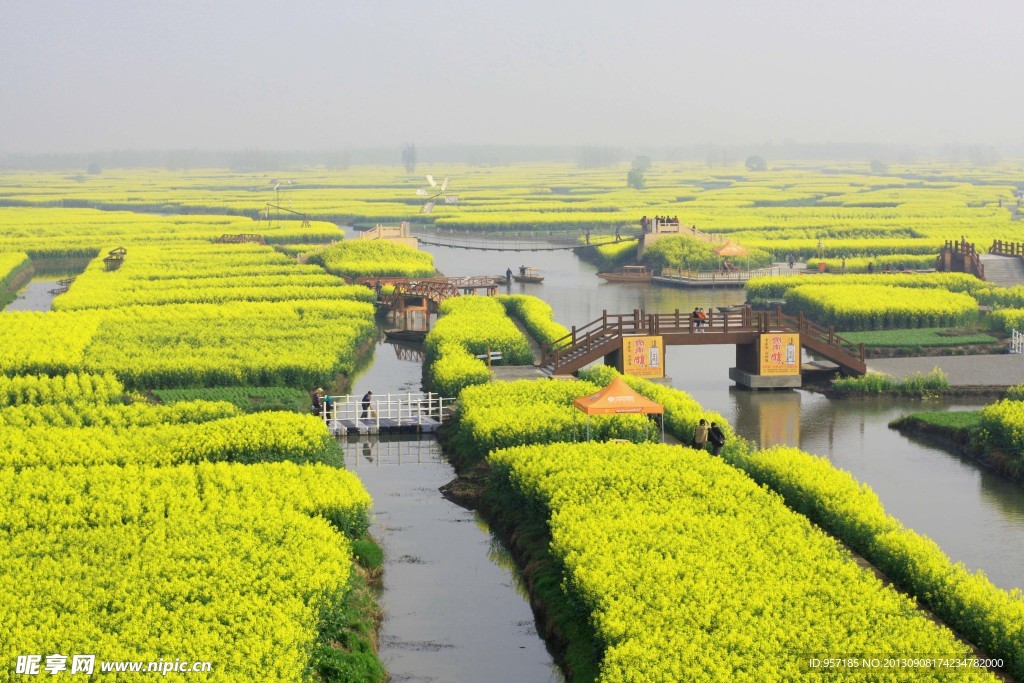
(602, 338)
(396, 292)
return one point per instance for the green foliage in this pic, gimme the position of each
(374, 258)
(1003, 423)
(11, 264)
(535, 314)
(966, 420)
(680, 251)
(923, 337)
(878, 264)
(764, 288)
(614, 254)
(1016, 392)
(247, 399)
(756, 164)
(915, 384)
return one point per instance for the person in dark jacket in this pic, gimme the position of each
(716, 437)
(367, 397)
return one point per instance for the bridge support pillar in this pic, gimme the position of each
(745, 372)
(614, 359)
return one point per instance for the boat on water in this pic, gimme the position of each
(528, 274)
(629, 274)
(398, 334)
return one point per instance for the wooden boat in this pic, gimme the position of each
(629, 274)
(528, 274)
(500, 280)
(406, 335)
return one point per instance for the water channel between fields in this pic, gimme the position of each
(34, 296)
(975, 516)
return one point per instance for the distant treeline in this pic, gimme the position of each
(587, 156)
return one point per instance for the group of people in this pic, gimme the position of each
(700, 319)
(322, 404)
(703, 434)
(647, 225)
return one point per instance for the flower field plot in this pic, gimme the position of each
(298, 343)
(374, 258)
(200, 272)
(60, 233)
(241, 566)
(868, 307)
(829, 209)
(691, 572)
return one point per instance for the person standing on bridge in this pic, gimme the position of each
(700, 435)
(367, 397)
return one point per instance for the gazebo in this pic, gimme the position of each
(618, 399)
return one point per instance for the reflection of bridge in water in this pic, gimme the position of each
(389, 451)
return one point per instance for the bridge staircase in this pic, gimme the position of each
(735, 325)
(1004, 263)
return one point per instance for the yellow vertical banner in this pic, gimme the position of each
(643, 357)
(779, 354)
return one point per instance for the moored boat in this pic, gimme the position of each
(406, 335)
(629, 274)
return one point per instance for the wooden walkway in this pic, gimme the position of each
(733, 325)
(712, 278)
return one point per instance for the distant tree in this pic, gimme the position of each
(756, 163)
(409, 157)
(635, 177)
(879, 167)
(93, 169)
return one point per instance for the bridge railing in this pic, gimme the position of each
(718, 275)
(818, 333)
(1002, 248)
(408, 409)
(611, 327)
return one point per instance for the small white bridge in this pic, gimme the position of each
(386, 413)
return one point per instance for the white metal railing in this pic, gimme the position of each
(718, 275)
(396, 409)
(1016, 342)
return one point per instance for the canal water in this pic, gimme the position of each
(976, 517)
(35, 296)
(454, 606)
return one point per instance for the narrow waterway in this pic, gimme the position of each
(35, 296)
(976, 517)
(454, 606)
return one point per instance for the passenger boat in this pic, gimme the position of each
(629, 274)
(406, 335)
(528, 274)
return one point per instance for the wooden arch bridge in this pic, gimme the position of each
(742, 326)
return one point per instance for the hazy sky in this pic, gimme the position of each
(82, 75)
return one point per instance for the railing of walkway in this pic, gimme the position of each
(407, 409)
(612, 326)
(1001, 248)
(686, 275)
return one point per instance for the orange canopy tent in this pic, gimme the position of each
(730, 248)
(619, 399)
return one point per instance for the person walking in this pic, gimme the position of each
(716, 437)
(318, 398)
(790, 259)
(367, 397)
(700, 435)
